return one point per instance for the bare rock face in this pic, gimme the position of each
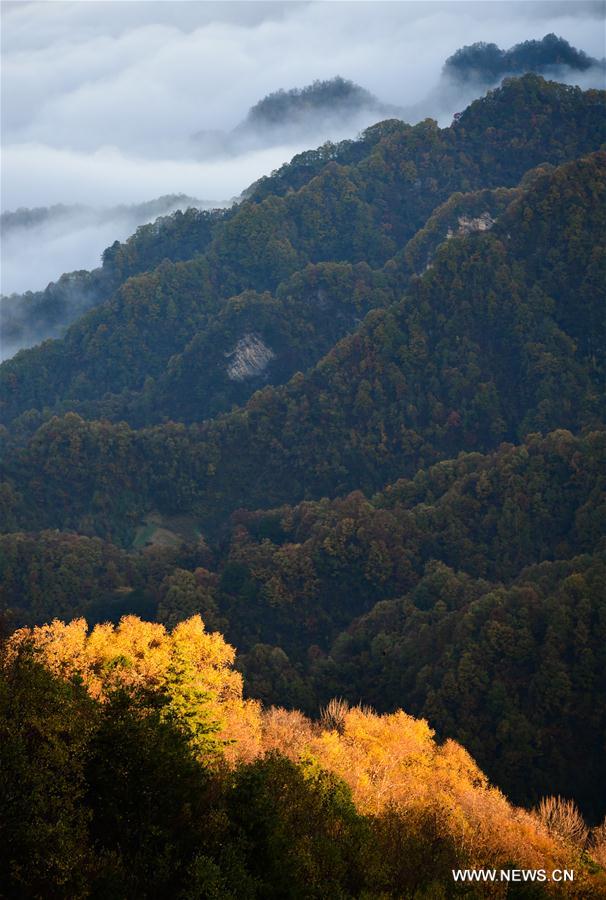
(249, 358)
(467, 224)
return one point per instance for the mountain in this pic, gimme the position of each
(27, 319)
(482, 348)
(335, 96)
(444, 370)
(361, 205)
(324, 103)
(473, 69)
(317, 112)
(23, 218)
(133, 751)
(486, 64)
(356, 423)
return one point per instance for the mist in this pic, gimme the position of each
(39, 244)
(103, 103)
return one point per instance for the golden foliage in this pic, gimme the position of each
(288, 731)
(393, 765)
(139, 656)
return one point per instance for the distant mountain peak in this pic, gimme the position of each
(487, 63)
(335, 96)
(320, 111)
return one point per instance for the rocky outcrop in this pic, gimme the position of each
(469, 224)
(249, 358)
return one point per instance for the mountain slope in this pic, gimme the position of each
(258, 338)
(365, 211)
(29, 318)
(474, 592)
(134, 725)
(471, 586)
(475, 353)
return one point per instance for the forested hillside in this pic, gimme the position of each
(131, 751)
(307, 594)
(37, 315)
(361, 206)
(356, 423)
(482, 348)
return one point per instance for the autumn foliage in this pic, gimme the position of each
(270, 803)
(188, 672)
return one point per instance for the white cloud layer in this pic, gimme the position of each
(100, 99)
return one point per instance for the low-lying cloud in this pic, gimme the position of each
(38, 244)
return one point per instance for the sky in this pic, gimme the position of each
(100, 99)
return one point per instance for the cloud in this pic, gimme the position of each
(39, 243)
(145, 76)
(39, 174)
(101, 99)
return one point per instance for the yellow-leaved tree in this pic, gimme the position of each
(186, 674)
(398, 772)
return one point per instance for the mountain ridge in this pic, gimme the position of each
(502, 389)
(265, 240)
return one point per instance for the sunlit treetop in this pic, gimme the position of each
(187, 673)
